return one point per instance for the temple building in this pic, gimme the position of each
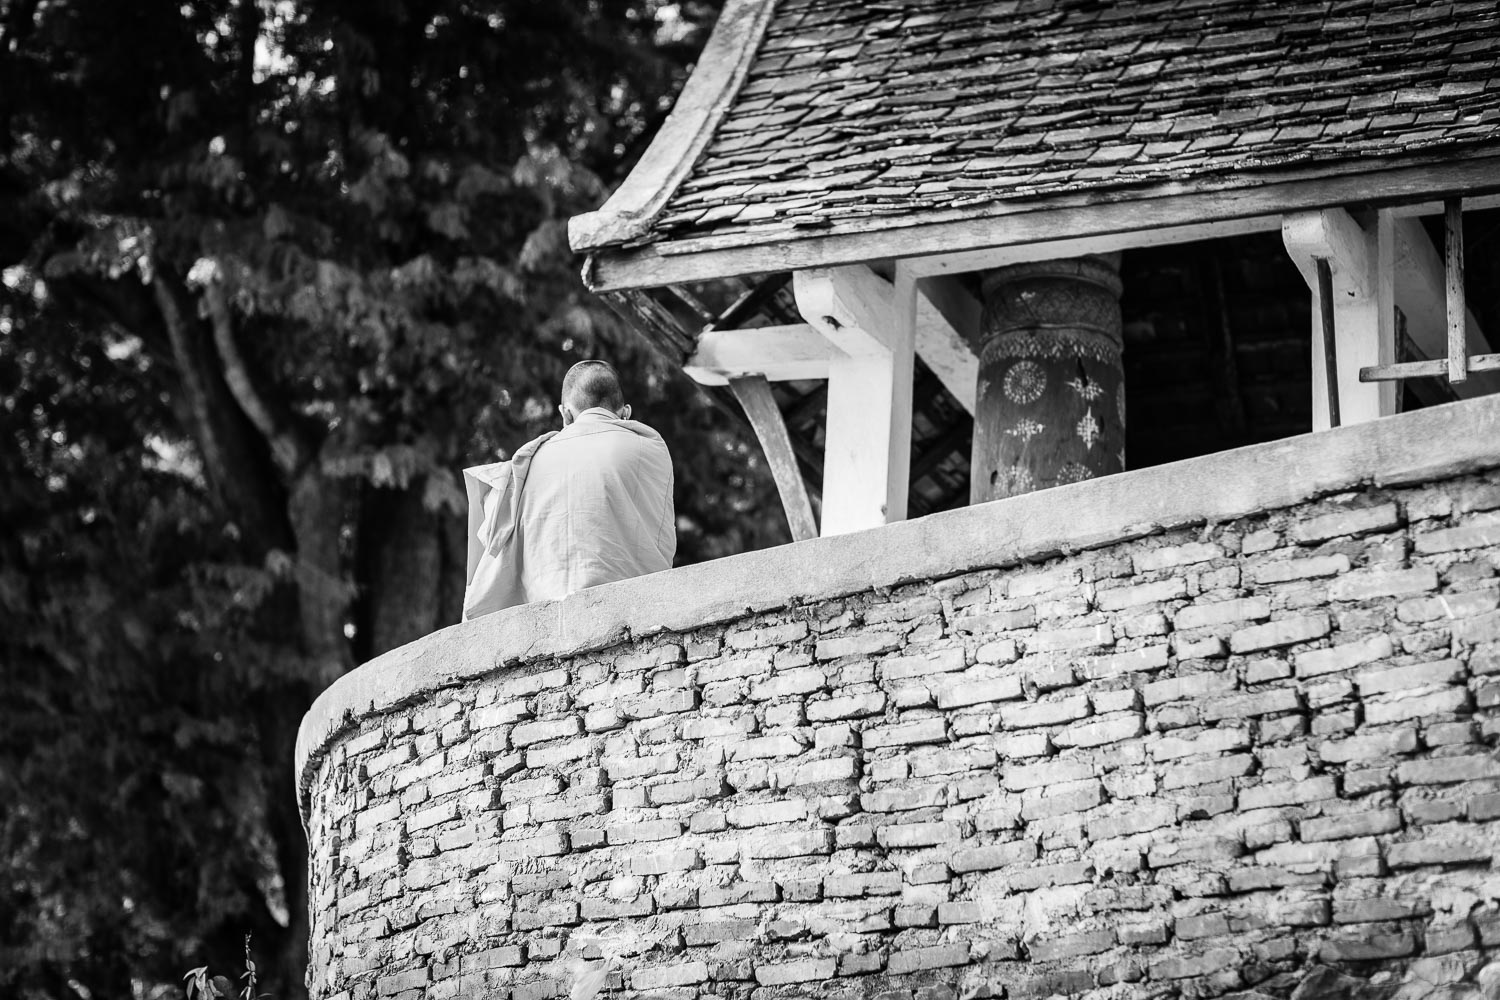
(934, 213)
(1127, 371)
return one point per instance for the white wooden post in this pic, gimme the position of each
(1364, 307)
(867, 441)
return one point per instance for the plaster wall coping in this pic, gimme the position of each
(1430, 444)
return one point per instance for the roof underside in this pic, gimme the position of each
(867, 114)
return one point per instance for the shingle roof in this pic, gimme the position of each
(883, 112)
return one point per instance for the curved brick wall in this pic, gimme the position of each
(1215, 756)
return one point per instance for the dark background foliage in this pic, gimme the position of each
(273, 272)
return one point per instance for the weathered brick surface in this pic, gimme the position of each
(1182, 765)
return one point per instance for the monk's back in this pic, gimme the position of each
(596, 507)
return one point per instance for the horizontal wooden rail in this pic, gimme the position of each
(1418, 369)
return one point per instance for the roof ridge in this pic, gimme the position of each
(710, 90)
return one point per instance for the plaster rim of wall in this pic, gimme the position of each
(1432, 444)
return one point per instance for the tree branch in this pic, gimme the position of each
(288, 451)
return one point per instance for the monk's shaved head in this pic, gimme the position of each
(592, 383)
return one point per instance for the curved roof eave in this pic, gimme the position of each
(708, 93)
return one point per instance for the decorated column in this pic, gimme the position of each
(1051, 400)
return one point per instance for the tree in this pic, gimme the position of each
(273, 272)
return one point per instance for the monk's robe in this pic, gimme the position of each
(575, 508)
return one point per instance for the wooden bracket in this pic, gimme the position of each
(754, 394)
(1360, 275)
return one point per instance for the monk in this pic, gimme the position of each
(589, 504)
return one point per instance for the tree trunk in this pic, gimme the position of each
(411, 570)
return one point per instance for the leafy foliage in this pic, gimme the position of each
(272, 273)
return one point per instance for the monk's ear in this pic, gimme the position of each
(625, 412)
(567, 415)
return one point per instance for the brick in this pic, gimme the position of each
(1244, 706)
(1207, 772)
(1042, 876)
(1065, 639)
(1447, 770)
(1444, 702)
(1286, 570)
(1466, 604)
(942, 661)
(1178, 555)
(1042, 582)
(805, 970)
(712, 932)
(846, 707)
(865, 884)
(1044, 713)
(920, 959)
(999, 621)
(905, 734)
(1368, 747)
(962, 692)
(665, 862)
(1170, 966)
(767, 747)
(974, 859)
(1282, 632)
(1287, 793)
(1352, 654)
(1223, 612)
(666, 976)
(1367, 945)
(856, 644)
(1360, 824)
(737, 893)
(1384, 517)
(959, 913)
(1209, 741)
(1484, 628)
(1477, 532)
(1365, 584)
(528, 733)
(1420, 675)
(644, 831)
(1126, 820)
(1075, 945)
(1101, 730)
(1210, 850)
(1158, 592)
(1065, 799)
(817, 771)
(917, 835)
(1021, 777)
(804, 680)
(788, 843)
(415, 979)
(1187, 686)
(1146, 658)
(762, 813)
(773, 635)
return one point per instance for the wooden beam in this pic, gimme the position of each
(1218, 207)
(1420, 369)
(851, 306)
(867, 451)
(754, 394)
(1421, 295)
(1359, 264)
(948, 319)
(780, 353)
(1453, 274)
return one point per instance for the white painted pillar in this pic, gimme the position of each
(867, 440)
